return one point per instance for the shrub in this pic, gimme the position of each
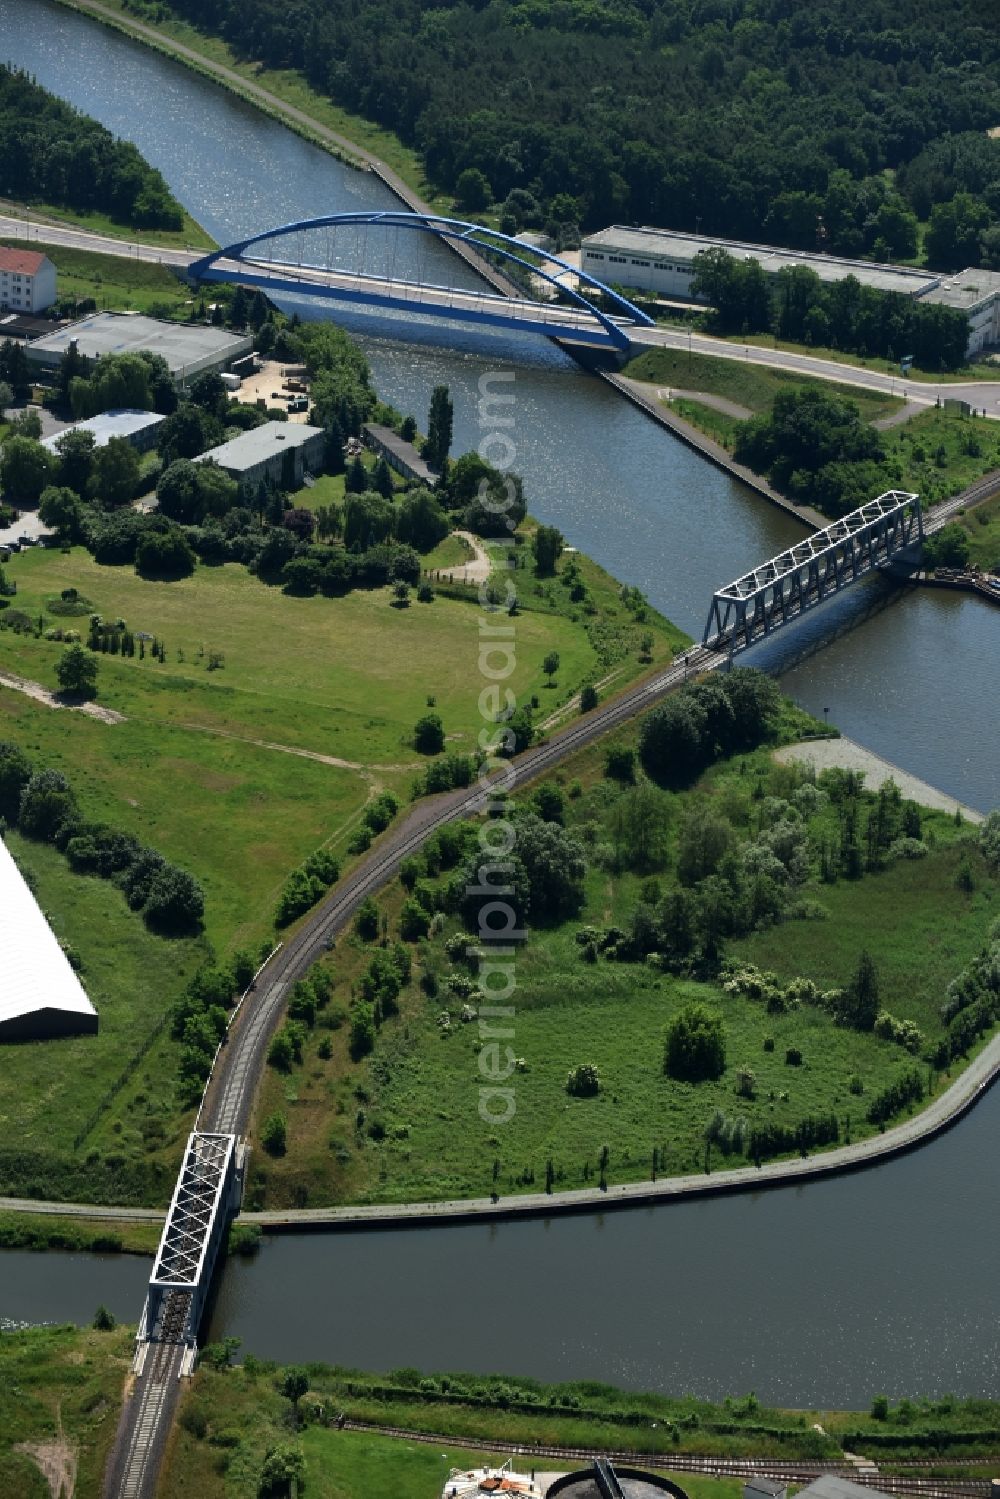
(583, 1081)
(793, 1057)
(695, 1048)
(274, 1134)
(428, 734)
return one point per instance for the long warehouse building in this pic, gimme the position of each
(663, 261)
(40, 995)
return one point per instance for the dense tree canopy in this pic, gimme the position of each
(749, 118)
(54, 153)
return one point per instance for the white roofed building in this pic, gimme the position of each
(40, 995)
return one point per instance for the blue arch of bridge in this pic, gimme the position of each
(476, 236)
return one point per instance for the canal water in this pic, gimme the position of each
(820, 1294)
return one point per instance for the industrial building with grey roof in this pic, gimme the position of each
(282, 452)
(190, 349)
(663, 261)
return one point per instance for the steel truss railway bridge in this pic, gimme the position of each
(882, 535)
(886, 532)
(207, 1195)
(567, 314)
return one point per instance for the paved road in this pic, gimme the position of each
(981, 394)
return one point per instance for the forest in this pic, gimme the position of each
(54, 154)
(836, 126)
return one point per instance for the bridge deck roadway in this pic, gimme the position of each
(982, 395)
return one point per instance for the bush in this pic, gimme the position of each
(274, 1134)
(695, 1048)
(428, 735)
(583, 1081)
(793, 1057)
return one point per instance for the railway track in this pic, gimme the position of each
(229, 1096)
(711, 1467)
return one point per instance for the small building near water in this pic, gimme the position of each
(281, 452)
(401, 456)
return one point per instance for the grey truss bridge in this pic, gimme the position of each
(207, 1193)
(888, 530)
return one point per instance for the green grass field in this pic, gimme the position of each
(420, 1135)
(750, 385)
(236, 775)
(51, 1091)
(60, 1389)
(115, 282)
(982, 526)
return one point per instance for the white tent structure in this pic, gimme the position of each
(40, 995)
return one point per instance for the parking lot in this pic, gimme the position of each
(267, 385)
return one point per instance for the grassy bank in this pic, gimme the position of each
(40, 215)
(60, 1397)
(936, 453)
(98, 1235)
(753, 386)
(403, 1123)
(115, 282)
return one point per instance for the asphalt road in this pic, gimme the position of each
(983, 395)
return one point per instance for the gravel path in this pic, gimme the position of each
(845, 754)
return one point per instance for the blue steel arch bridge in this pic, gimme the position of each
(552, 297)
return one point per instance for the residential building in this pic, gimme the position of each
(27, 280)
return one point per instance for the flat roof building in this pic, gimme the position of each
(663, 261)
(137, 427)
(190, 349)
(400, 455)
(40, 996)
(282, 452)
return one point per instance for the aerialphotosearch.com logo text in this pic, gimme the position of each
(493, 889)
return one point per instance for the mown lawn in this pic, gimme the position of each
(60, 1383)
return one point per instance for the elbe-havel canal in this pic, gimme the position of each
(823, 1294)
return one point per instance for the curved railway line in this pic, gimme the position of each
(229, 1095)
